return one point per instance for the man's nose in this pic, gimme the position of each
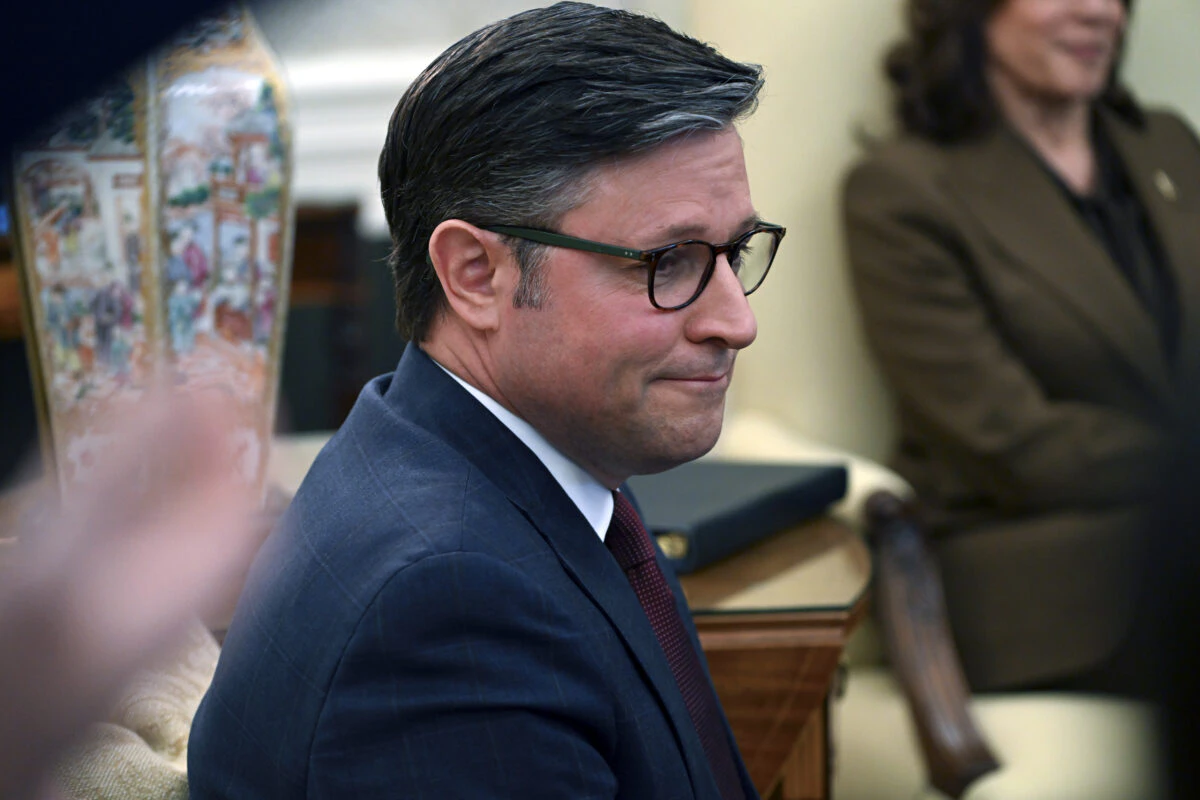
(722, 311)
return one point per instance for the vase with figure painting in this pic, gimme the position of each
(154, 233)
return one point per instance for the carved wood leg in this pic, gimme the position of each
(912, 614)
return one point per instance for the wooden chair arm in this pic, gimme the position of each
(912, 613)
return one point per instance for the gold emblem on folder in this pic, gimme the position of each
(674, 545)
(1165, 186)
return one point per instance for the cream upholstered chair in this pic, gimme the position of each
(139, 752)
(906, 726)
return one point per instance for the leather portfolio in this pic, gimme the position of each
(703, 511)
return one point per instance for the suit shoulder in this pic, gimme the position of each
(905, 157)
(903, 179)
(371, 519)
(906, 169)
(1172, 130)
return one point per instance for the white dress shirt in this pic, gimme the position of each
(591, 498)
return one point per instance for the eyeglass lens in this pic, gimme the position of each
(680, 271)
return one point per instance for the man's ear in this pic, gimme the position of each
(477, 271)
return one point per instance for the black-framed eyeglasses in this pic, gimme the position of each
(677, 273)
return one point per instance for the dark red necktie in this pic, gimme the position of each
(629, 543)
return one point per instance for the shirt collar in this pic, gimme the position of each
(591, 498)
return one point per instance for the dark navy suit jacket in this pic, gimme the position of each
(434, 618)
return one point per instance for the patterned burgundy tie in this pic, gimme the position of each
(629, 543)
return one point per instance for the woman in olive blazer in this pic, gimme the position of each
(1026, 257)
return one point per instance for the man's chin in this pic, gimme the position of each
(687, 446)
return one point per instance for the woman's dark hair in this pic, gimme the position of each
(937, 72)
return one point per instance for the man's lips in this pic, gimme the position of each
(702, 377)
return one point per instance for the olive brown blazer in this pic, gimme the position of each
(1034, 395)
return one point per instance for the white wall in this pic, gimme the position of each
(1163, 55)
(809, 366)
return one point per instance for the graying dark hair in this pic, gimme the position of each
(505, 127)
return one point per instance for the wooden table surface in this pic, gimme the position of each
(820, 565)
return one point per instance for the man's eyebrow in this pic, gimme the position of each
(677, 233)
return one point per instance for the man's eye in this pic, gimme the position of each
(739, 255)
(669, 266)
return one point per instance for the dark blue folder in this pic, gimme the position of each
(706, 510)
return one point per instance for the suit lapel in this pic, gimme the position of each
(1173, 207)
(1004, 187)
(449, 412)
(590, 565)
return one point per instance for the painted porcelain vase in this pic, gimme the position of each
(154, 233)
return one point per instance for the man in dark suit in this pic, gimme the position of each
(458, 603)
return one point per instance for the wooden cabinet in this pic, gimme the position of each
(10, 293)
(773, 621)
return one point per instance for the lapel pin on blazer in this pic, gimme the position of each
(1165, 186)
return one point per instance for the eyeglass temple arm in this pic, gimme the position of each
(570, 242)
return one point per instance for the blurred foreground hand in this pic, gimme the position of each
(107, 583)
